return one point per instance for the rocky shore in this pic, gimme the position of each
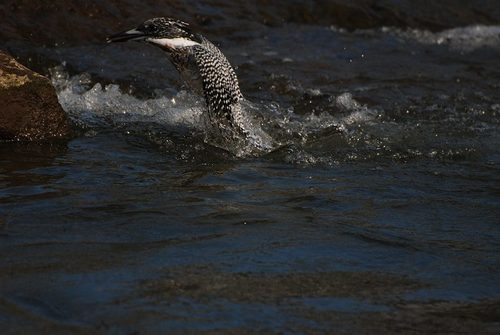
(30, 110)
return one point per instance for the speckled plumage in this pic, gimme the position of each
(207, 71)
(200, 63)
(202, 66)
(220, 84)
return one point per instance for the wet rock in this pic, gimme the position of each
(30, 109)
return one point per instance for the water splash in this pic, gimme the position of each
(96, 106)
(91, 106)
(464, 39)
(341, 130)
(263, 128)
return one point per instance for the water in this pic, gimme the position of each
(375, 211)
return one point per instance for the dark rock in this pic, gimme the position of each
(29, 107)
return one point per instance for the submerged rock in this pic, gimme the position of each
(29, 107)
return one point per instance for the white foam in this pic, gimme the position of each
(88, 106)
(261, 128)
(463, 38)
(349, 114)
(97, 106)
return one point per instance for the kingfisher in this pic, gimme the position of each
(200, 64)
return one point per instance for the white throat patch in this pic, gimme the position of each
(173, 43)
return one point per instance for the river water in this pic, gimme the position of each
(377, 211)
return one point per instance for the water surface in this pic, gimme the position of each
(378, 211)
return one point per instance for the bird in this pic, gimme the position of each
(200, 64)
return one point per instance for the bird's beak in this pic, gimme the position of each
(129, 35)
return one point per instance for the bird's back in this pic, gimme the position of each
(220, 84)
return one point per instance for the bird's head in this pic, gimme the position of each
(164, 32)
